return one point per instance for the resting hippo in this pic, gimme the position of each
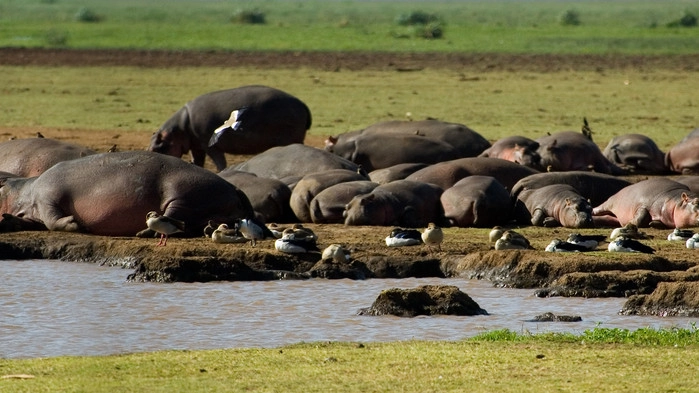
(31, 157)
(657, 202)
(445, 174)
(690, 181)
(294, 160)
(554, 205)
(244, 120)
(400, 203)
(573, 151)
(111, 193)
(596, 187)
(518, 149)
(636, 153)
(395, 172)
(313, 183)
(269, 197)
(684, 157)
(478, 201)
(328, 206)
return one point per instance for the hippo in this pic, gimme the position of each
(32, 156)
(518, 149)
(477, 201)
(574, 151)
(656, 202)
(327, 207)
(692, 134)
(293, 161)
(552, 206)
(445, 174)
(395, 172)
(243, 120)
(111, 193)
(269, 197)
(596, 187)
(313, 183)
(636, 153)
(395, 142)
(684, 157)
(690, 181)
(402, 203)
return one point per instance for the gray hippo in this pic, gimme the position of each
(269, 197)
(657, 202)
(294, 161)
(573, 151)
(111, 193)
(400, 203)
(445, 174)
(243, 120)
(329, 205)
(684, 157)
(477, 201)
(596, 187)
(31, 157)
(636, 153)
(554, 205)
(313, 183)
(395, 172)
(690, 181)
(518, 149)
(395, 142)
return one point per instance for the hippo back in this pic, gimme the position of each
(636, 153)
(445, 174)
(31, 157)
(597, 187)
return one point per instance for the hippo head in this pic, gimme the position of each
(365, 209)
(577, 213)
(528, 156)
(330, 143)
(172, 142)
(686, 213)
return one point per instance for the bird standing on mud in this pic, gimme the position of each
(163, 225)
(253, 230)
(433, 236)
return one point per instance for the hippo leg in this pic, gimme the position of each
(551, 222)
(64, 224)
(642, 218)
(538, 217)
(218, 157)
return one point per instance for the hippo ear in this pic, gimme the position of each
(685, 197)
(568, 202)
(367, 199)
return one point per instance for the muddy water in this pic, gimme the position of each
(51, 308)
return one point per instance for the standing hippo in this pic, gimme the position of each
(445, 174)
(554, 205)
(658, 202)
(244, 120)
(595, 187)
(313, 183)
(684, 157)
(636, 153)
(111, 193)
(269, 197)
(31, 157)
(573, 151)
(400, 203)
(518, 149)
(477, 201)
(329, 205)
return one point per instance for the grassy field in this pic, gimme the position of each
(509, 26)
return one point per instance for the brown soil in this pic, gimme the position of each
(465, 252)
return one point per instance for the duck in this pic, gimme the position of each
(590, 242)
(512, 240)
(223, 234)
(623, 244)
(400, 237)
(495, 233)
(209, 228)
(290, 245)
(301, 232)
(433, 236)
(680, 235)
(276, 229)
(693, 242)
(629, 231)
(163, 225)
(558, 245)
(253, 230)
(336, 253)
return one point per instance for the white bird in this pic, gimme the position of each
(290, 245)
(337, 253)
(400, 237)
(433, 236)
(680, 235)
(590, 242)
(253, 230)
(223, 234)
(558, 245)
(163, 225)
(234, 122)
(622, 244)
(693, 242)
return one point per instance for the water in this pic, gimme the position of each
(52, 308)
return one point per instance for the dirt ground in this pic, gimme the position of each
(364, 241)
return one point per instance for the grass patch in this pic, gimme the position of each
(509, 363)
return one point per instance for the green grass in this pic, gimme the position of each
(503, 361)
(526, 26)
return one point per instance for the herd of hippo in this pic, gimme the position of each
(394, 173)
